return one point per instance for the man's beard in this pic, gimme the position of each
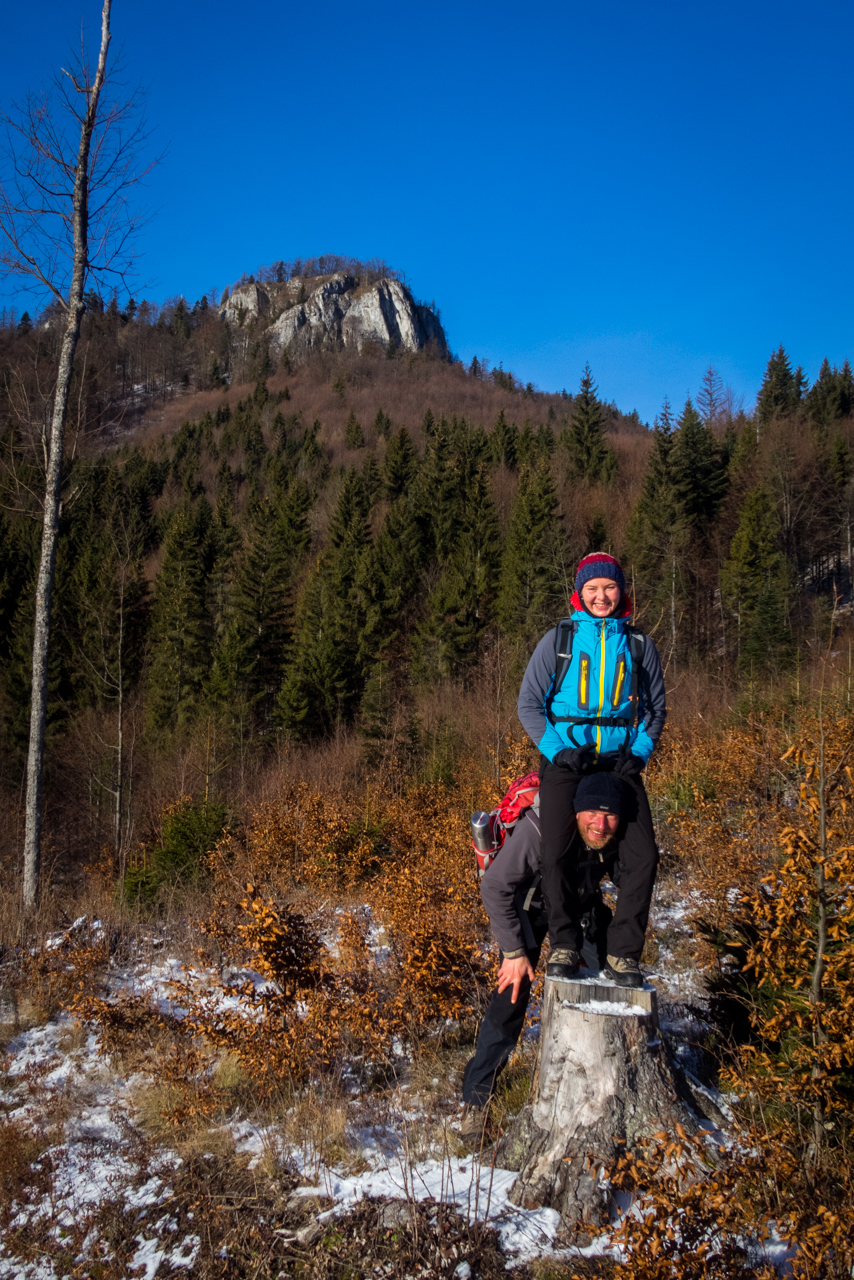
(599, 845)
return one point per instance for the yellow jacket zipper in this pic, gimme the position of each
(601, 687)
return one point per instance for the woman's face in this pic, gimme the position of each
(601, 597)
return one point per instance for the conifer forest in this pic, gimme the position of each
(294, 598)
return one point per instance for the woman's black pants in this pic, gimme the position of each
(638, 863)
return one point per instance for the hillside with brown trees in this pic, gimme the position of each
(294, 599)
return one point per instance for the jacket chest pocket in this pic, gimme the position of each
(584, 665)
(619, 681)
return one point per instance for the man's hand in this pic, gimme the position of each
(512, 973)
(576, 759)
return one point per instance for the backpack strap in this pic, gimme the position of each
(563, 657)
(564, 637)
(637, 642)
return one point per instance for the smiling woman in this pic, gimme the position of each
(593, 702)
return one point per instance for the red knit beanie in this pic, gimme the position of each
(599, 565)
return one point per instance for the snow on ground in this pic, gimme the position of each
(92, 1142)
(91, 1162)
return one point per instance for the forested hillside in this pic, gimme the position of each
(362, 549)
(295, 594)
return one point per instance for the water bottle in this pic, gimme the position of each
(481, 832)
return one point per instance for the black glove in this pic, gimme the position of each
(576, 759)
(628, 765)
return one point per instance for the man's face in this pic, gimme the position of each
(596, 828)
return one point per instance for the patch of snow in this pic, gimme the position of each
(613, 1008)
(475, 1189)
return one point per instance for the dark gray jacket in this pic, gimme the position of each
(511, 886)
(506, 885)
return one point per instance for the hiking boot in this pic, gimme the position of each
(623, 971)
(474, 1123)
(564, 962)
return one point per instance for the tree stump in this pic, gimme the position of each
(603, 1082)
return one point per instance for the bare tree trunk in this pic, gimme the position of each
(603, 1083)
(53, 479)
(117, 838)
(673, 611)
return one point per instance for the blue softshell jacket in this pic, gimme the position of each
(597, 683)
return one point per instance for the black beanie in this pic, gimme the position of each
(603, 791)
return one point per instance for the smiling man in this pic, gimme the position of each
(511, 895)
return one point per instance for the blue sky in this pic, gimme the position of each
(650, 188)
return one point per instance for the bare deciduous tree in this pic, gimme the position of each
(70, 160)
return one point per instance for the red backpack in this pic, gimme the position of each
(489, 830)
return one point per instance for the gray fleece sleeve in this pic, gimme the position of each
(536, 683)
(517, 863)
(653, 699)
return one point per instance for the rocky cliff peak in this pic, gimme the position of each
(334, 311)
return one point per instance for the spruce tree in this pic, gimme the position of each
(400, 465)
(754, 583)
(830, 397)
(840, 468)
(17, 678)
(314, 694)
(389, 579)
(263, 605)
(546, 439)
(781, 389)
(710, 396)
(845, 390)
(382, 425)
(591, 457)
(461, 606)
(596, 532)
(326, 663)
(527, 447)
(348, 528)
(439, 496)
(372, 479)
(106, 614)
(530, 566)
(180, 655)
(504, 441)
(354, 436)
(697, 470)
(254, 449)
(658, 537)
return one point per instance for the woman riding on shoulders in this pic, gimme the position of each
(593, 699)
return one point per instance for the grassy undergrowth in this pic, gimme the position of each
(361, 917)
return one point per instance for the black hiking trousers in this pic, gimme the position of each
(503, 1021)
(638, 864)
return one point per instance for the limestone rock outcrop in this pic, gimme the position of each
(250, 299)
(335, 311)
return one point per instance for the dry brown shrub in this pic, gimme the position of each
(762, 814)
(409, 862)
(719, 797)
(693, 1213)
(52, 976)
(700, 1211)
(20, 1172)
(306, 1017)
